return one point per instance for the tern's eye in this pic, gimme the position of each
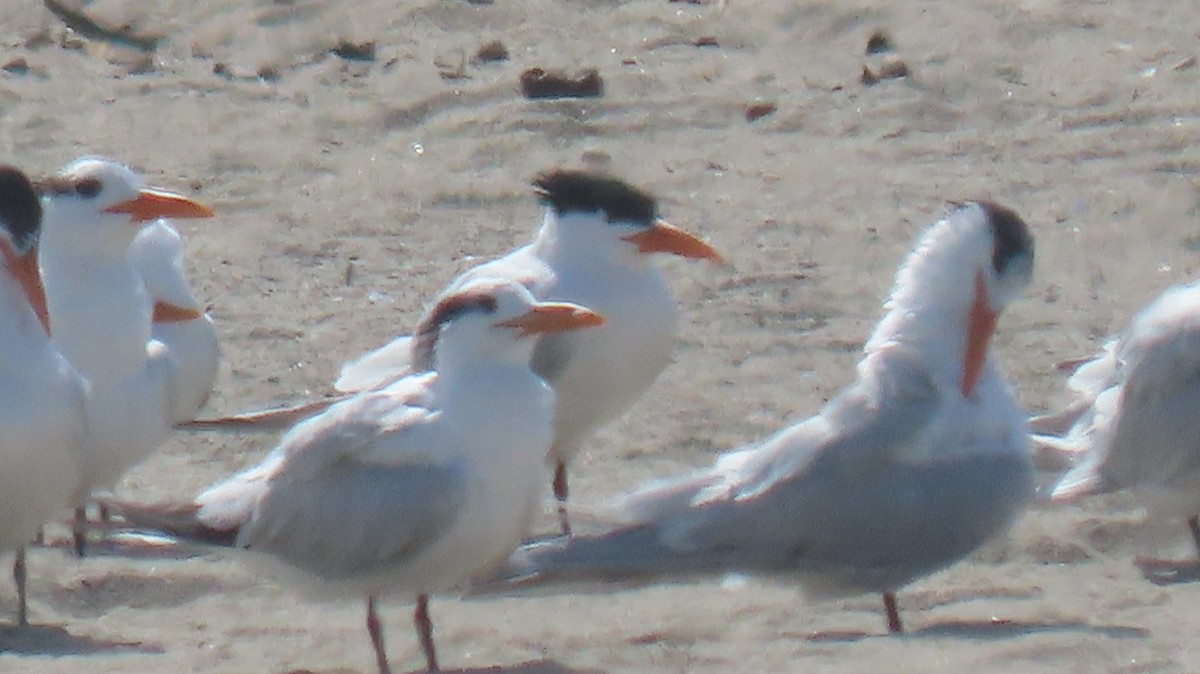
(87, 187)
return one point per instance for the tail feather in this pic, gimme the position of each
(1072, 364)
(1077, 483)
(377, 368)
(629, 557)
(177, 520)
(263, 421)
(1058, 423)
(1056, 454)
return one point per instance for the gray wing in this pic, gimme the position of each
(358, 518)
(801, 493)
(1156, 437)
(816, 485)
(348, 492)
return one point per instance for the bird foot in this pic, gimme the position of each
(1168, 571)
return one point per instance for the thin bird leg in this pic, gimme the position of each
(425, 631)
(893, 615)
(79, 531)
(1173, 571)
(375, 629)
(1194, 527)
(19, 577)
(560, 493)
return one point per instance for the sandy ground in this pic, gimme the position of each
(1082, 115)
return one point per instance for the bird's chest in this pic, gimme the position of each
(99, 319)
(635, 342)
(507, 474)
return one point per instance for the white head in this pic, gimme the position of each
(492, 320)
(20, 226)
(966, 268)
(594, 215)
(99, 206)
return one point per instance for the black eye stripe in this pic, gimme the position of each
(56, 185)
(88, 187)
(1011, 234)
(427, 332)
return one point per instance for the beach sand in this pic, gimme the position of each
(350, 191)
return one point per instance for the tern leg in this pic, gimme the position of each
(79, 531)
(1194, 526)
(893, 614)
(560, 492)
(375, 629)
(1173, 571)
(20, 576)
(425, 631)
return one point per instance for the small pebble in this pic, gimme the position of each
(355, 51)
(879, 43)
(491, 52)
(757, 111)
(539, 83)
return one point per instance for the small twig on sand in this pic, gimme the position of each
(78, 21)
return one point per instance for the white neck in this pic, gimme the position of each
(929, 307)
(99, 312)
(466, 349)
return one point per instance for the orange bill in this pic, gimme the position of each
(980, 328)
(663, 237)
(24, 268)
(165, 312)
(550, 317)
(151, 204)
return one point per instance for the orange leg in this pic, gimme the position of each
(375, 629)
(19, 577)
(893, 614)
(1173, 571)
(79, 531)
(425, 631)
(560, 492)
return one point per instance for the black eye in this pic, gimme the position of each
(87, 187)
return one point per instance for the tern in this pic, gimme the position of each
(178, 320)
(414, 487)
(100, 313)
(916, 464)
(595, 247)
(1137, 420)
(42, 399)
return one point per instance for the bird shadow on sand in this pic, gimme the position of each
(95, 595)
(531, 667)
(987, 630)
(56, 640)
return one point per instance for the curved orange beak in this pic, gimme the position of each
(981, 326)
(165, 312)
(24, 268)
(663, 237)
(151, 204)
(550, 317)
